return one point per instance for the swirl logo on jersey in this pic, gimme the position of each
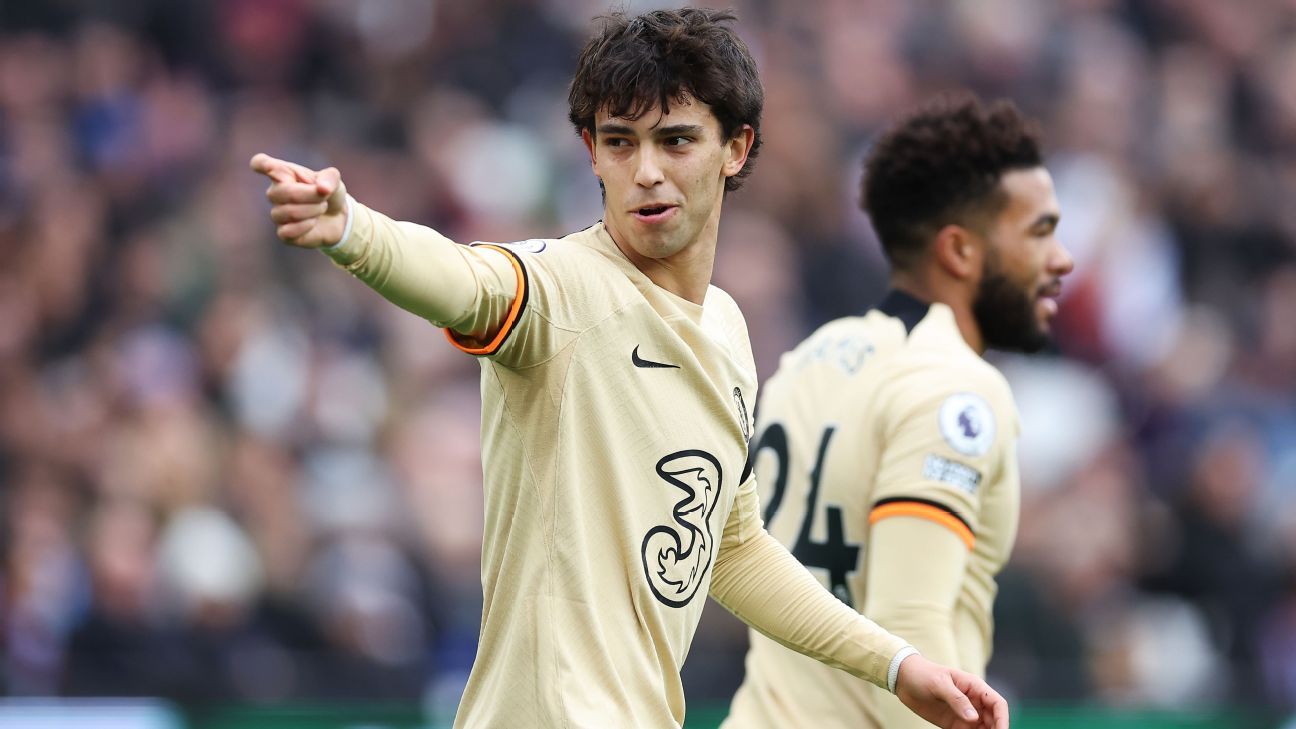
(677, 556)
(967, 423)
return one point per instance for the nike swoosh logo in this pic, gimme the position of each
(647, 363)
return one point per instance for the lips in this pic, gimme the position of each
(654, 213)
(1047, 298)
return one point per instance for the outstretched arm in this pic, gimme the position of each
(468, 290)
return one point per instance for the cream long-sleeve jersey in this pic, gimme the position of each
(615, 424)
(886, 453)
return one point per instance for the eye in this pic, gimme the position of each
(616, 142)
(1044, 230)
(677, 141)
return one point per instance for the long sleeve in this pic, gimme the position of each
(758, 580)
(470, 290)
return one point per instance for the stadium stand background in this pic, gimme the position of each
(232, 476)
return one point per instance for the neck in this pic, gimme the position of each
(950, 293)
(685, 273)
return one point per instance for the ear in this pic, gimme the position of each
(588, 139)
(738, 147)
(959, 252)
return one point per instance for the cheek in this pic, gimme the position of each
(709, 180)
(706, 171)
(1026, 264)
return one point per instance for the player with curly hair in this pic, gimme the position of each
(885, 447)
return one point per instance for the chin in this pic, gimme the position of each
(1025, 338)
(661, 245)
(1035, 341)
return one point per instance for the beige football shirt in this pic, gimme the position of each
(881, 421)
(616, 418)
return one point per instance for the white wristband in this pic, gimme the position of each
(346, 230)
(893, 672)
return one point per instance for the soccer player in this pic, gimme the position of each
(885, 447)
(616, 384)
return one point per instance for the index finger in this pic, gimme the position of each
(281, 170)
(995, 707)
(992, 707)
(276, 169)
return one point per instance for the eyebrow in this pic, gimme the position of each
(610, 128)
(675, 130)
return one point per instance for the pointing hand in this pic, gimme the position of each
(308, 207)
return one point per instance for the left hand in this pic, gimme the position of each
(949, 698)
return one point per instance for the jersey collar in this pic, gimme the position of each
(906, 307)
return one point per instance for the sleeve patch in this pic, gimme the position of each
(967, 424)
(958, 475)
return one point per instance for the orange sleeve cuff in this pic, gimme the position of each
(510, 320)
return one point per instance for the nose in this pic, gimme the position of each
(648, 170)
(1060, 261)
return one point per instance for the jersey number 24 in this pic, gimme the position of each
(834, 555)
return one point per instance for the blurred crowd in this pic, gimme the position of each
(229, 472)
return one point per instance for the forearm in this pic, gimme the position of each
(427, 274)
(761, 583)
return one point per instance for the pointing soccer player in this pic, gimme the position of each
(886, 444)
(616, 385)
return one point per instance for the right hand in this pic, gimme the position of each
(308, 207)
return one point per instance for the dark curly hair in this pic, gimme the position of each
(641, 63)
(941, 165)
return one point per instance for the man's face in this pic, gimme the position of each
(1016, 299)
(663, 176)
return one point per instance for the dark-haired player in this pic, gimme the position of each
(615, 385)
(885, 448)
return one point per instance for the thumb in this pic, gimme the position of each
(328, 181)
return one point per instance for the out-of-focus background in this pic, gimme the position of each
(232, 477)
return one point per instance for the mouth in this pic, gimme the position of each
(654, 213)
(1047, 298)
